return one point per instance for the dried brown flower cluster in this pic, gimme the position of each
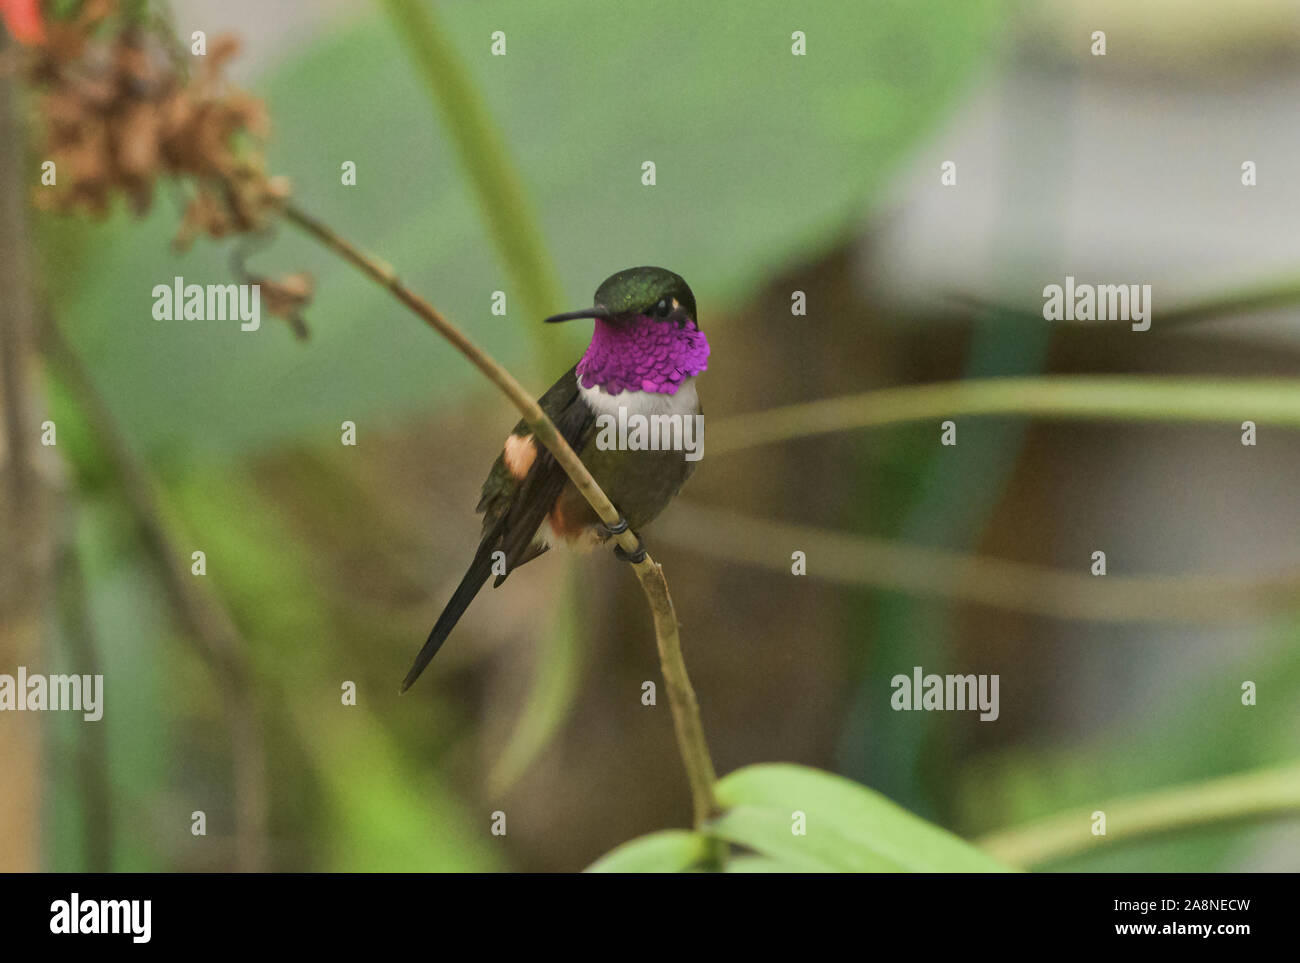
(122, 109)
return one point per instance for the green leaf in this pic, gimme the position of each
(767, 830)
(668, 851)
(849, 827)
(759, 864)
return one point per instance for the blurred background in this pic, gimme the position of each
(775, 173)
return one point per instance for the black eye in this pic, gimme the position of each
(664, 308)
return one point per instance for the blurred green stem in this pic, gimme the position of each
(92, 753)
(514, 229)
(1248, 797)
(918, 570)
(1219, 306)
(1265, 401)
(27, 492)
(483, 157)
(205, 620)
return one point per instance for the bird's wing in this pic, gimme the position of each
(515, 507)
(518, 494)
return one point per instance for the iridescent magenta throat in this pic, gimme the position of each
(647, 354)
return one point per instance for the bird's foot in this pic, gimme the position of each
(618, 528)
(633, 557)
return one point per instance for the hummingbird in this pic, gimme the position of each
(645, 353)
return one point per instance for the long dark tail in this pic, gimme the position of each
(469, 586)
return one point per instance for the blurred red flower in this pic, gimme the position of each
(23, 19)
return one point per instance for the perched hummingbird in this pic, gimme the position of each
(645, 351)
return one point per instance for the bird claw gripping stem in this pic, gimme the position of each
(618, 528)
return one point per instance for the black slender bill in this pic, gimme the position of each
(574, 315)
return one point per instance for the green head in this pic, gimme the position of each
(639, 292)
(646, 337)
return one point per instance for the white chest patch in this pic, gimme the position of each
(685, 402)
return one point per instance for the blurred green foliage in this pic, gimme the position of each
(584, 95)
(1201, 734)
(797, 819)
